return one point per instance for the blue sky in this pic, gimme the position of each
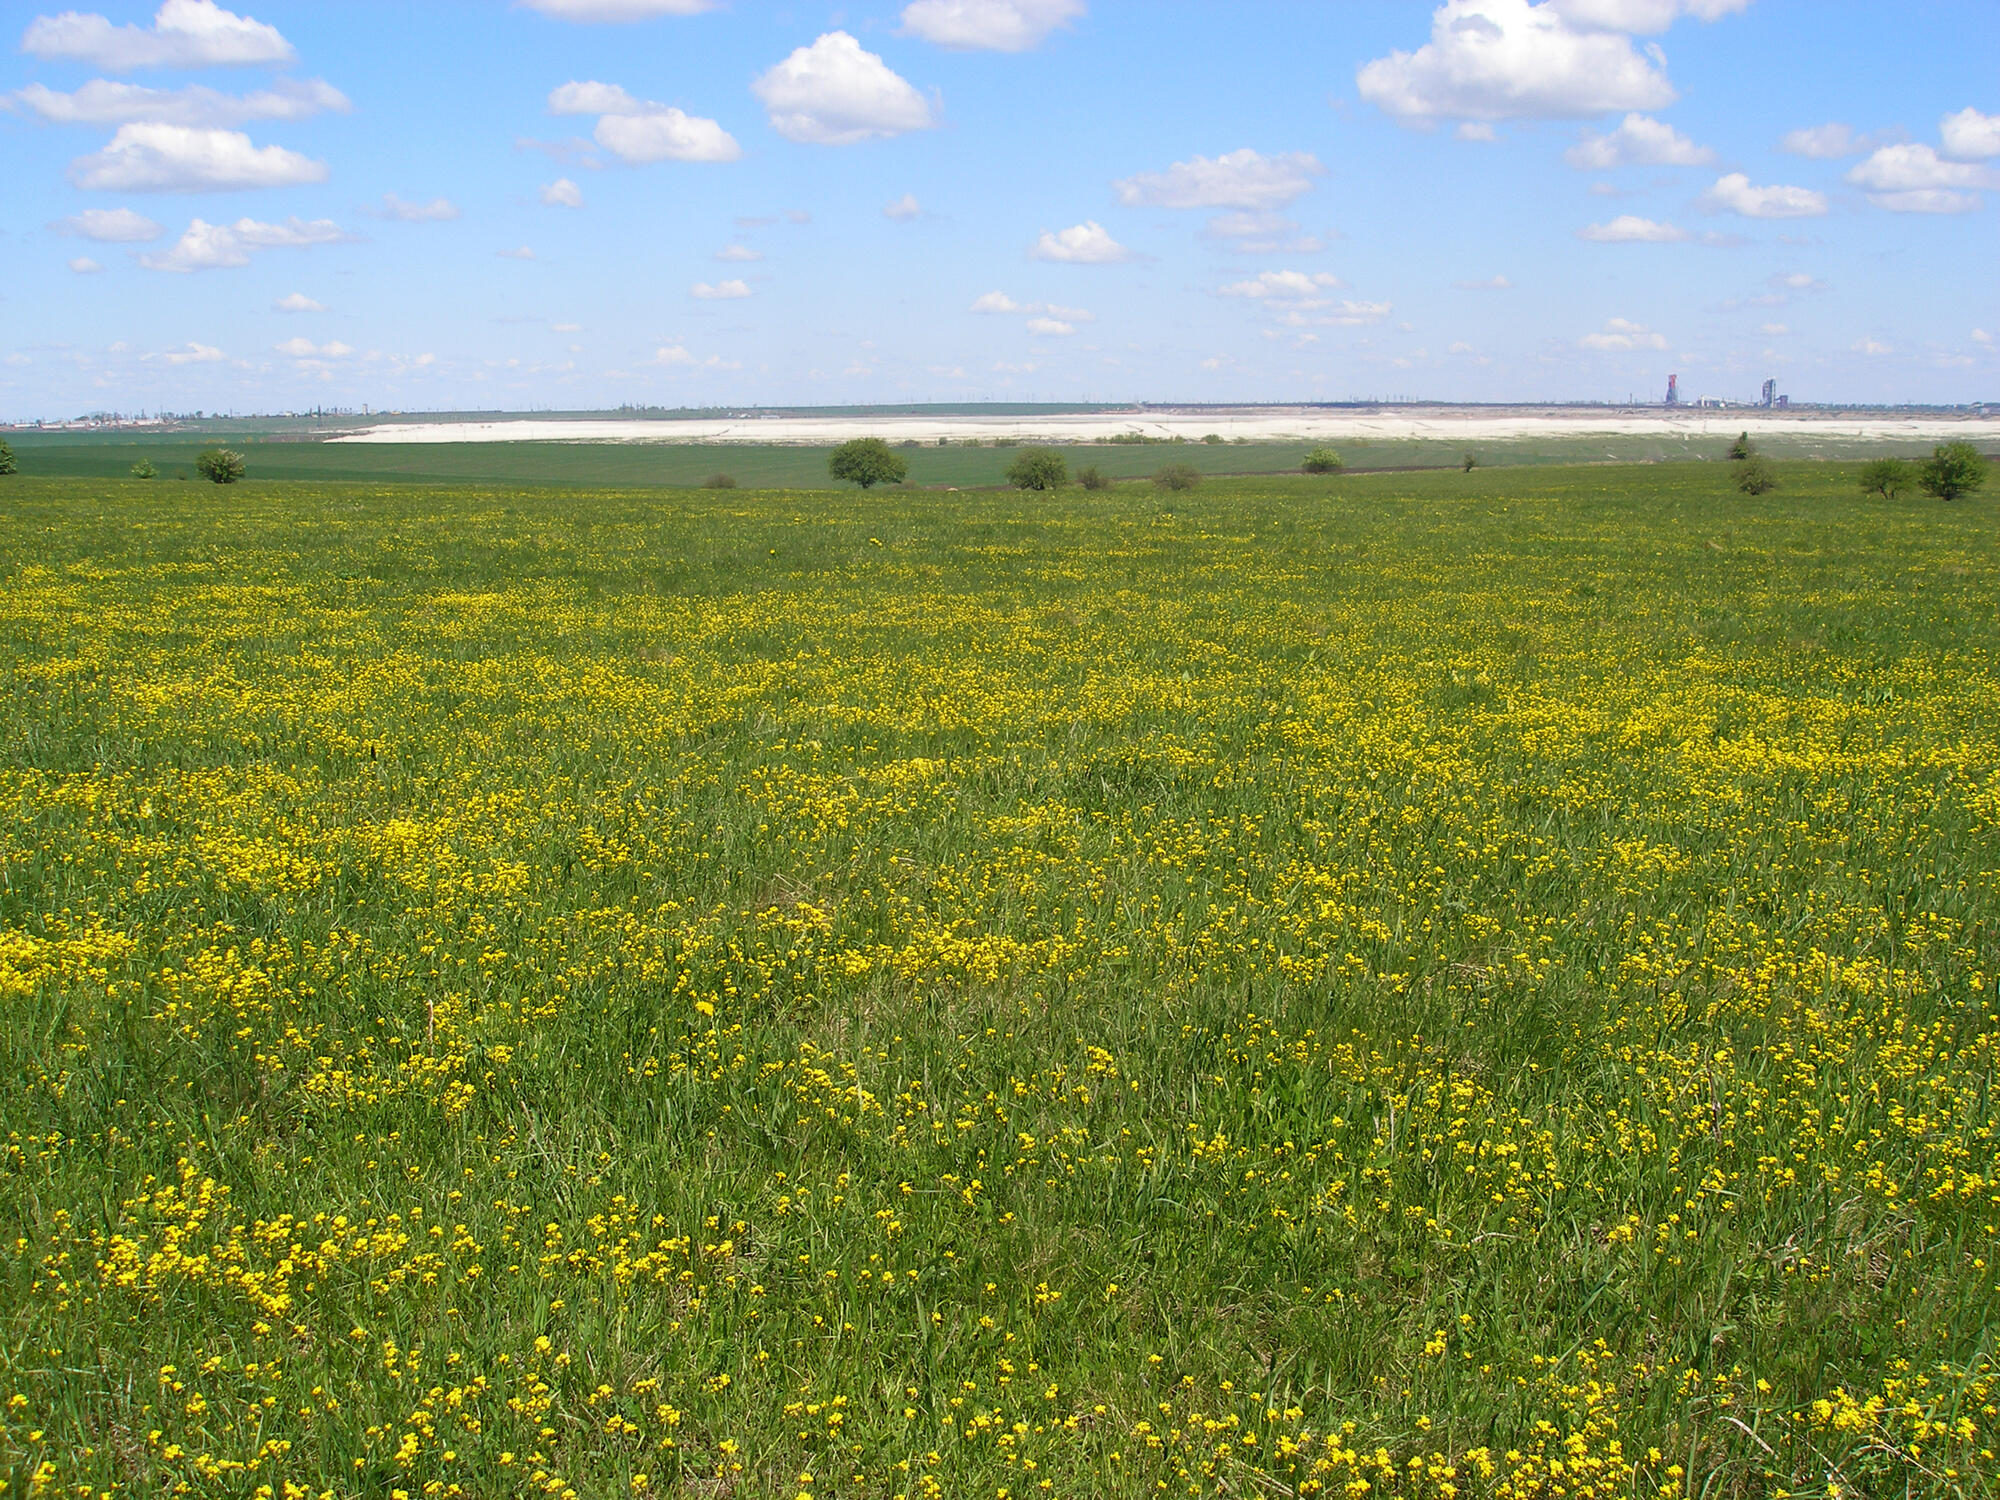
(587, 203)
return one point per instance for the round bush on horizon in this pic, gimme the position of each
(1178, 477)
(220, 465)
(1322, 461)
(1038, 469)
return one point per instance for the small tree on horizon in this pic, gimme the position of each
(7, 464)
(144, 469)
(867, 462)
(1887, 477)
(1952, 470)
(1742, 448)
(1178, 477)
(220, 465)
(1038, 469)
(1322, 461)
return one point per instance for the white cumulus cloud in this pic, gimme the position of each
(988, 25)
(102, 102)
(1050, 326)
(639, 132)
(184, 34)
(83, 265)
(1513, 60)
(207, 247)
(155, 158)
(905, 207)
(1735, 193)
(596, 11)
(1639, 141)
(719, 291)
(738, 253)
(1085, 244)
(111, 226)
(996, 302)
(1970, 135)
(297, 302)
(437, 211)
(1915, 179)
(1242, 179)
(836, 93)
(1872, 349)
(1630, 229)
(1620, 333)
(562, 193)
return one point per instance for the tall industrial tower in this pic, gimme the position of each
(1673, 390)
(1770, 394)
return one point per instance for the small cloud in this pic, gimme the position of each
(1981, 336)
(1639, 141)
(1620, 334)
(102, 102)
(522, 252)
(1915, 179)
(1774, 330)
(146, 157)
(837, 93)
(1872, 349)
(1476, 131)
(720, 291)
(1796, 281)
(189, 354)
(1827, 142)
(1490, 284)
(83, 265)
(988, 25)
(797, 216)
(1969, 135)
(566, 328)
(1461, 348)
(738, 253)
(1608, 190)
(995, 302)
(307, 349)
(437, 211)
(1052, 326)
(562, 193)
(1284, 286)
(905, 207)
(673, 354)
(1242, 179)
(208, 247)
(297, 302)
(1630, 229)
(1735, 194)
(613, 11)
(184, 34)
(639, 132)
(1085, 244)
(115, 226)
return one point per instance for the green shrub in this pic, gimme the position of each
(1754, 476)
(1322, 461)
(867, 462)
(1887, 477)
(1742, 448)
(220, 465)
(1953, 469)
(1178, 477)
(1213, 439)
(1038, 469)
(7, 464)
(719, 482)
(1093, 478)
(144, 469)
(1468, 462)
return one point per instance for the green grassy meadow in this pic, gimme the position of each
(1412, 984)
(87, 455)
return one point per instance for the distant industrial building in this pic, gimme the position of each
(1673, 390)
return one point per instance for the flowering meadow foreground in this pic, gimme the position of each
(1456, 984)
